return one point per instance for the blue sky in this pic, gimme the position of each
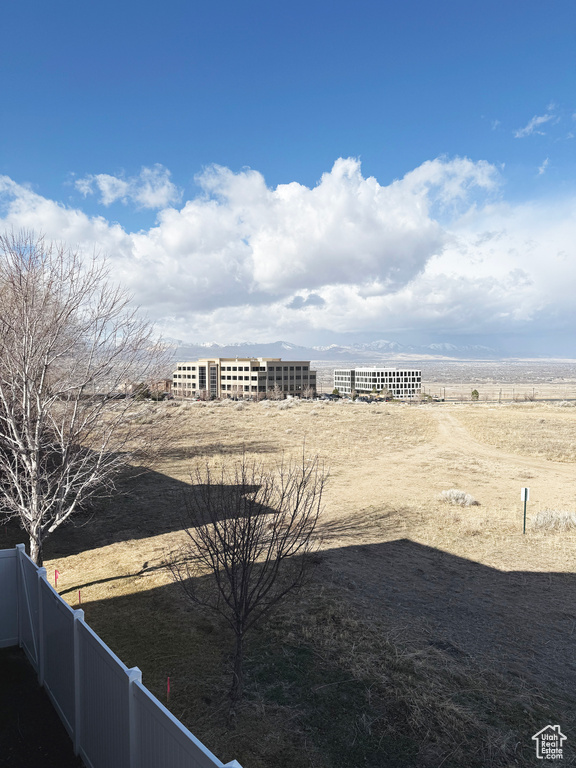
(366, 170)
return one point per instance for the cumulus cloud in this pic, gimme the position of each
(437, 250)
(152, 188)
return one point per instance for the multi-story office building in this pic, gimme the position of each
(399, 382)
(243, 377)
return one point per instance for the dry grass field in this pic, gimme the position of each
(430, 634)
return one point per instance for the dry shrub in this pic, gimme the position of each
(458, 498)
(555, 520)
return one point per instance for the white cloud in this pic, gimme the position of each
(436, 251)
(152, 188)
(533, 125)
(542, 168)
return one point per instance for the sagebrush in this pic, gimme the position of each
(458, 498)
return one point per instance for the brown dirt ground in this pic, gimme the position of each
(388, 465)
(464, 580)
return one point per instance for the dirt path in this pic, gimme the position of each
(414, 476)
(453, 435)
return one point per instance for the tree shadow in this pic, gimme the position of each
(146, 504)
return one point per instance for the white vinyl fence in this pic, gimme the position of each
(113, 720)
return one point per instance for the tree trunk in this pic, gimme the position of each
(36, 550)
(238, 675)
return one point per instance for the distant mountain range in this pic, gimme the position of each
(374, 351)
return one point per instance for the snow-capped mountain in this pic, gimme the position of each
(374, 351)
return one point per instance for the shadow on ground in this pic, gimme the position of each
(521, 623)
(149, 504)
(31, 735)
(474, 622)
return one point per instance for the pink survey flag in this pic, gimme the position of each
(56, 574)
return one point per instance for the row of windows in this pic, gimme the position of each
(384, 372)
(247, 368)
(246, 387)
(386, 376)
(407, 385)
(392, 373)
(374, 380)
(288, 367)
(253, 388)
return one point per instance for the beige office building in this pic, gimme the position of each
(242, 377)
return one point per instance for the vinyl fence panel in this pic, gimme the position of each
(113, 720)
(28, 589)
(161, 739)
(8, 598)
(58, 653)
(104, 721)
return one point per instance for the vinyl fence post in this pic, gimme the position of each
(134, 675)
(78, 616)
(41, 576)
(20, 550)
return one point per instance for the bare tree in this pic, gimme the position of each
(250, 533)
(69, 345)
(276, 393)
(308, 392)
(385, 394)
